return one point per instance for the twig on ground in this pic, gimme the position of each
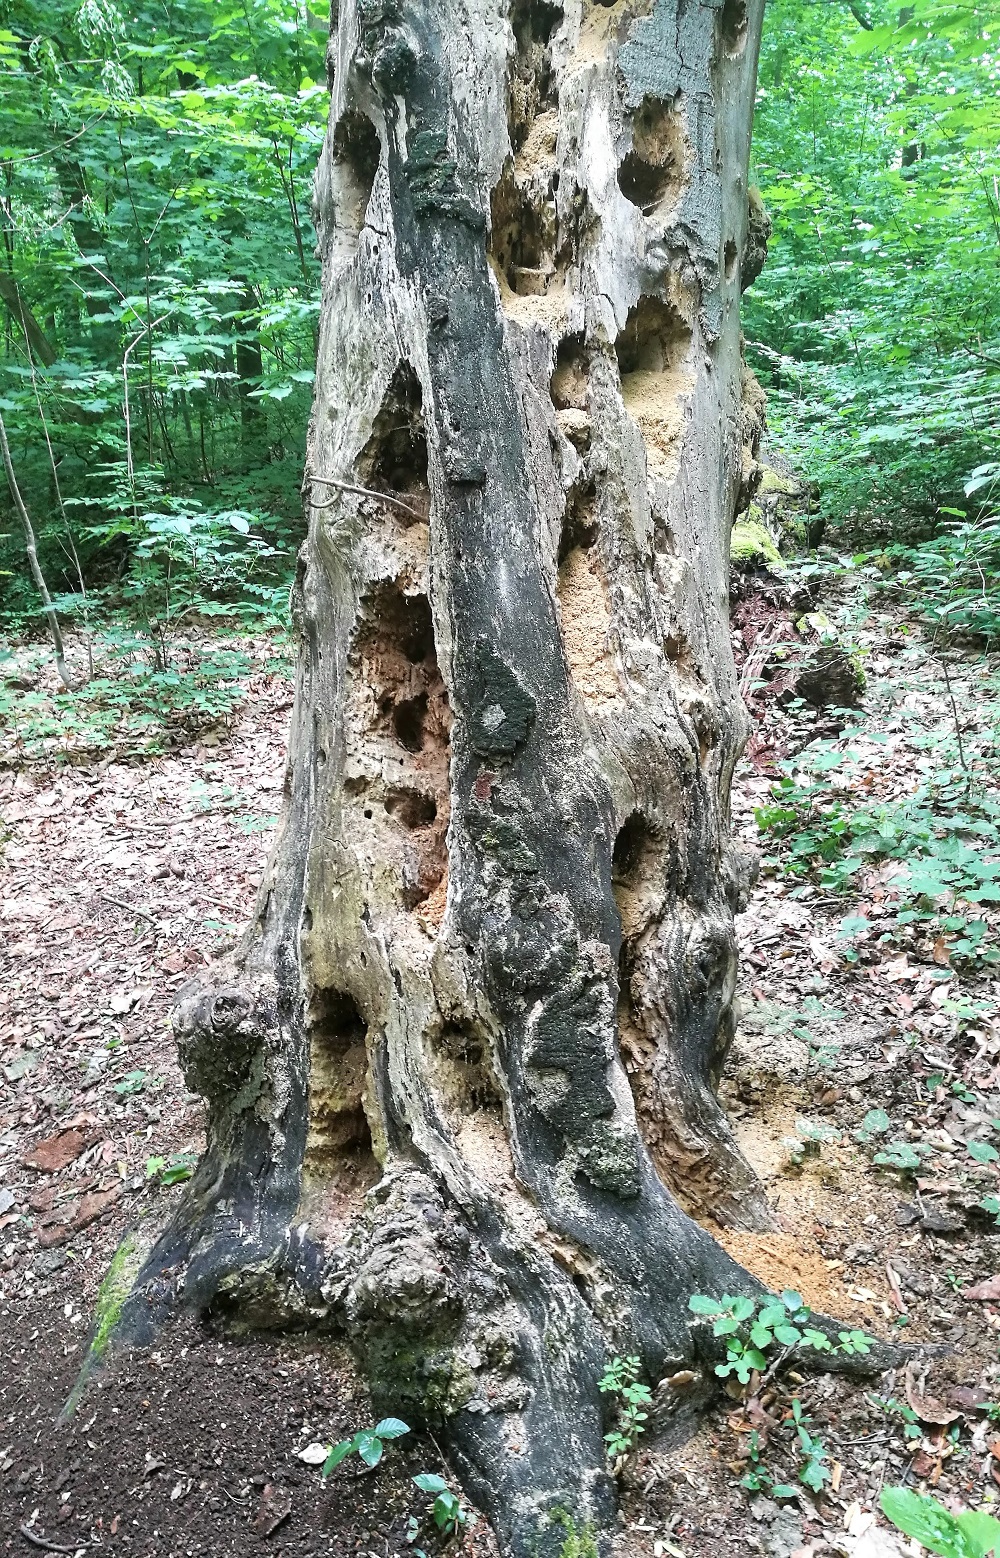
(46, 1545)
(130, 908)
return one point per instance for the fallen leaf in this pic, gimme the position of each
(986, 1292)
(926, 1466)
(937, 1220)
(55, 1152)
(970, 1398)
(275, 1507)
(895, 1291)
(927, 1408)
(876, 1543)
(95, 1205)
(21, 1065)
(857, 1520)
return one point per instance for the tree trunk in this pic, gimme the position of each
(461, 1076)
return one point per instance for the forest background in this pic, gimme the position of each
(160, 297)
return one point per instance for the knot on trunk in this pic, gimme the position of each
(758, 235)
(384, 51)
(739, 870)
(419, 1298)
(221, 1041)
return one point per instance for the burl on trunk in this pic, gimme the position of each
(461, 1075)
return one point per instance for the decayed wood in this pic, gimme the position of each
(461, 1076)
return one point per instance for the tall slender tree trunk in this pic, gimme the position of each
(461, 1075)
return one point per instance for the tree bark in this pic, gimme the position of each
(39, 345)
(461, 1075)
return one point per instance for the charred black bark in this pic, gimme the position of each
(461, 1076)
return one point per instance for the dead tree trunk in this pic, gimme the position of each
(461, 1077)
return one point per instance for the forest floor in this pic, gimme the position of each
(120, 878)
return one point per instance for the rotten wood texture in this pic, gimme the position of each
(461, 1076)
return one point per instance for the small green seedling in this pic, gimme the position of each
(621, 1379)
(815, 1470)
(447, 1506)
(854, 1343)
(972, 1534)
(171, 1171)
(758, 1479)
(368, 1443)
(875, 1123)
(752, 1326)
(900, 1409)
(900, 1155)
(134, 1082)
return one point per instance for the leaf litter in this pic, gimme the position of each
(864, 1086)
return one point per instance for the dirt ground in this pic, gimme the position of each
(120, 879)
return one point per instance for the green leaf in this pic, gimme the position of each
(982, 1151)
(701, 1304)
(792, 1300)
(430, 1482)
(875, 1123)
(982, 1531)
(815, 1475)
(391, 1428)
(900, 1155)
(337, 1454)
(788, 1335)
(931, 1524)
(369, 1447)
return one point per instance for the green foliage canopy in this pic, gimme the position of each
(157, 283)
(876, 323)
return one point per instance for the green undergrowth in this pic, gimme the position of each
(944, 841)
(128, 707)
(845, 818)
